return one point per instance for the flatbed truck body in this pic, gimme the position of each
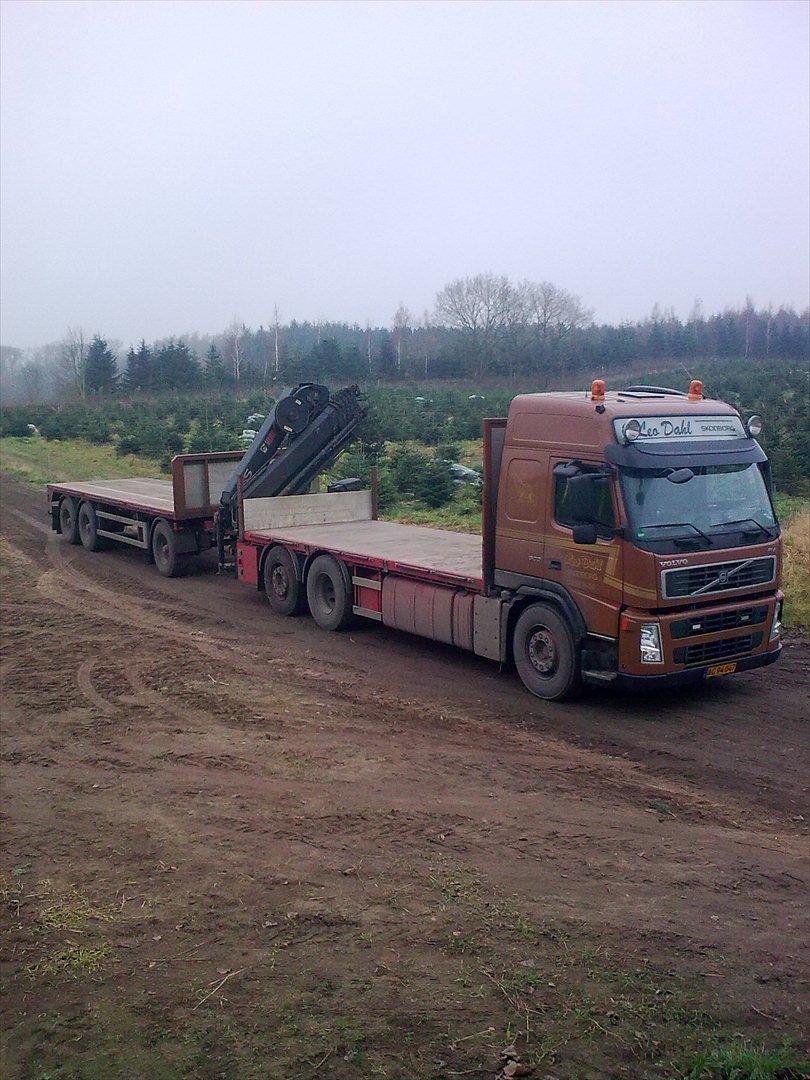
(628, 539)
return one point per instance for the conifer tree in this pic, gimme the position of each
(101, 373)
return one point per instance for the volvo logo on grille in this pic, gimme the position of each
(722, 579)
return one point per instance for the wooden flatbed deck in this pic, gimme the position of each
(143, 493)
(450, 556)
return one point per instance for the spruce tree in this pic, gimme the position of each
(101, 373)
(215, 374)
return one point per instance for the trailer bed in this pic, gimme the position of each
(412, 550)
(191, 493)
(141, 493)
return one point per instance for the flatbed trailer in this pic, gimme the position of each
(169, 519)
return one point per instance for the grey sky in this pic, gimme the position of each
(168, 166)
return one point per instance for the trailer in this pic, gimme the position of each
(629, 539)
(169, 520)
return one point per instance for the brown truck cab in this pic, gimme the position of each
(642, 521)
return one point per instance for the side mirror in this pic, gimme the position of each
(584, 534)
(583, 495)
(680, 476)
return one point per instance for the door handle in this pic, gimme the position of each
(555, 564)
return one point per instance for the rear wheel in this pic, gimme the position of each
(164, 550)
(545, 653)
(87, 523)
(329, 592)
(69, 519)
(285, 591)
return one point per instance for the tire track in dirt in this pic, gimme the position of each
(68, 586)
(571, 765)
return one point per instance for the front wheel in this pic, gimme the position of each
(168, 559)
(546, 655)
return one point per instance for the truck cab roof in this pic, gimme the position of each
(579, 423)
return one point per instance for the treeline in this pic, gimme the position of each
(482, 327)
(431, 414)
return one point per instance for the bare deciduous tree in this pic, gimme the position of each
(482, 306)
(276, 360)
(402, 322)
(234, 336)
(74, 359)
(552, 313)
(428, 339)
(368, 345)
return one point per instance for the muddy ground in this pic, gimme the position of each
(237, 846)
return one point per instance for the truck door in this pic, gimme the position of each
(521, 510)
(591, 573)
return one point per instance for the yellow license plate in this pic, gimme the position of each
(721, 669)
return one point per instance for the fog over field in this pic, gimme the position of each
(176, 167)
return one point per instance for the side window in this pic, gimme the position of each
(599, 510)
(523, 488)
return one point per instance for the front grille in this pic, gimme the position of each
(709, 652)
(717, 577)
(719, 620)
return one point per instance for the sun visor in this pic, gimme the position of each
(686, 454)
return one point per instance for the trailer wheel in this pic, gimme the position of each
(69, 519)
(545, 653)
(164, 550)
(87, 524)
(329, 592)
(285, 592)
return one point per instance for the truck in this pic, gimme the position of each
(629, 537)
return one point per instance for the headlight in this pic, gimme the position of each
(776, 625)
(650, 643)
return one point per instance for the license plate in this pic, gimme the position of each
(721, 669)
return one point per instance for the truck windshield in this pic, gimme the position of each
(717, 501)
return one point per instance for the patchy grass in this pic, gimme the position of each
(42, 461)
(461, 514)
(69, 910)
(742, 1061)
(788, 506)
(73, 961)
(566, 1003)
(796, 570)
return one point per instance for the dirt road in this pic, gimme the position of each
(237, 846)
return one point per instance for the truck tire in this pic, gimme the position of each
(87, 524)
(329, 593)
(282, 583)
(164, 550)
(69, 519)
(545, 653)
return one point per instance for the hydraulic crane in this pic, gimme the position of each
(301, 435)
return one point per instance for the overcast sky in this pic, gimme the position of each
(168, 166)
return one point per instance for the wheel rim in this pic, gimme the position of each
(66, 518)
(327, 590)
(161, 549)
(279, 582)
(541, 650)
(84, 525)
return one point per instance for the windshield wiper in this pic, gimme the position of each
(742, 521)
(678, 525)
